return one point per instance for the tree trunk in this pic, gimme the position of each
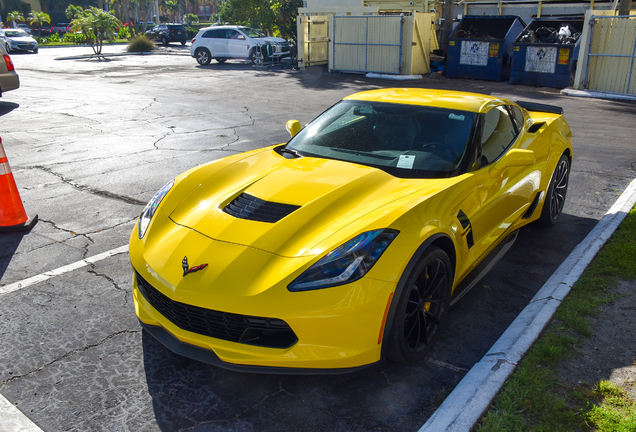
(624, 6)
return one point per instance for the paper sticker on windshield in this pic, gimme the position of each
(456, 117)
(406, 161)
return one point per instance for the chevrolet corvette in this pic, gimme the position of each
(346, 245)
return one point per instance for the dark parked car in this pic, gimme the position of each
(167, 33)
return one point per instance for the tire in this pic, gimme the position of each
(257, 57)
(557, 191)
(221, 60)
(164, 41)
(7, 48)
(203, 56)
(421, 308)
(183, 42)
(35, 51)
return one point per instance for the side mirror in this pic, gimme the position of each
(516, 157)
(293, 127)
(241, 37)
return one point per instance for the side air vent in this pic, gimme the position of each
(251, 208)
(535, 127)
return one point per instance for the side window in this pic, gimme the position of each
(497, 133)
(214, 34)
(233, 34)
(517, 115)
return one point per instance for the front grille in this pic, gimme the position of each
(251, 208)
(251, 330)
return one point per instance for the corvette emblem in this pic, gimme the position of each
(187, 269)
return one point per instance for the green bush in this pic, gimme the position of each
(140, 43)
(76, 38)
(123, 32)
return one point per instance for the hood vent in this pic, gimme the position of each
(251, 208)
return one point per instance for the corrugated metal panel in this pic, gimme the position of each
(368, 44)
(611, 65)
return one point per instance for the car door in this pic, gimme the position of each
(506, 178)
(238, 46)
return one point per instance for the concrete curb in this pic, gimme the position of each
(598, 94)
(90, 56)
(466, 404)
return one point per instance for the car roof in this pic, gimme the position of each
(428, 97)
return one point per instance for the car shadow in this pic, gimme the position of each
(187, 394)
(7, 107)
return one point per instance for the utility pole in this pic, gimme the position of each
(624, 6)
(448, 24)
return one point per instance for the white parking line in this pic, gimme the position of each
(49, 274)
(466, 404)
(12, 419)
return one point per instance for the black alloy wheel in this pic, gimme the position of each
(422, 307)
(203, 56)
(557, 191)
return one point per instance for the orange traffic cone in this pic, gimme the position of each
(12, 214)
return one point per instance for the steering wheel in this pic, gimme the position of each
(442, 150)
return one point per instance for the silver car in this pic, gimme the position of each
(9, 79)
(17, 40)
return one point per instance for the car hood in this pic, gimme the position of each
(329, 195)
(271, 39)
(21, 39)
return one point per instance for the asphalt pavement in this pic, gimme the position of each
(90, 142)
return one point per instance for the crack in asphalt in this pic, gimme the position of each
(94, 272)
(100, 193)
(239, 415)
(67, 355)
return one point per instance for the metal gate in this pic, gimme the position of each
(368, 43)
(610, 64)
(315, 40)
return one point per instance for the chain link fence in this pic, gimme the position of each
(611, 53)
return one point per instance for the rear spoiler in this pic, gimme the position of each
(533, 106)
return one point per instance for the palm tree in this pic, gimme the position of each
(39, 18)
(173, 7)
(15, 17)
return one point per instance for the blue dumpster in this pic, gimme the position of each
(480, 47)
(543, 57)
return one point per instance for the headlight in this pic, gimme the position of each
(151, 208)
(346, 263)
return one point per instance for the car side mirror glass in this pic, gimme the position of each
(516, 157)
(293, 127)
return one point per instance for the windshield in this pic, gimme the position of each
(404, 140)
(252, 33)
(15, 33)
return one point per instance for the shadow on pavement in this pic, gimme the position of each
(7, 107)
(195, 396)
(9, 243)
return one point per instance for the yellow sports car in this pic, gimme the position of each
(347, 244)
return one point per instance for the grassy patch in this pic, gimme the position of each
(534, 398)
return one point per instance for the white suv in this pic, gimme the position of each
(236, 42)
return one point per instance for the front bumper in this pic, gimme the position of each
(336, 329)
